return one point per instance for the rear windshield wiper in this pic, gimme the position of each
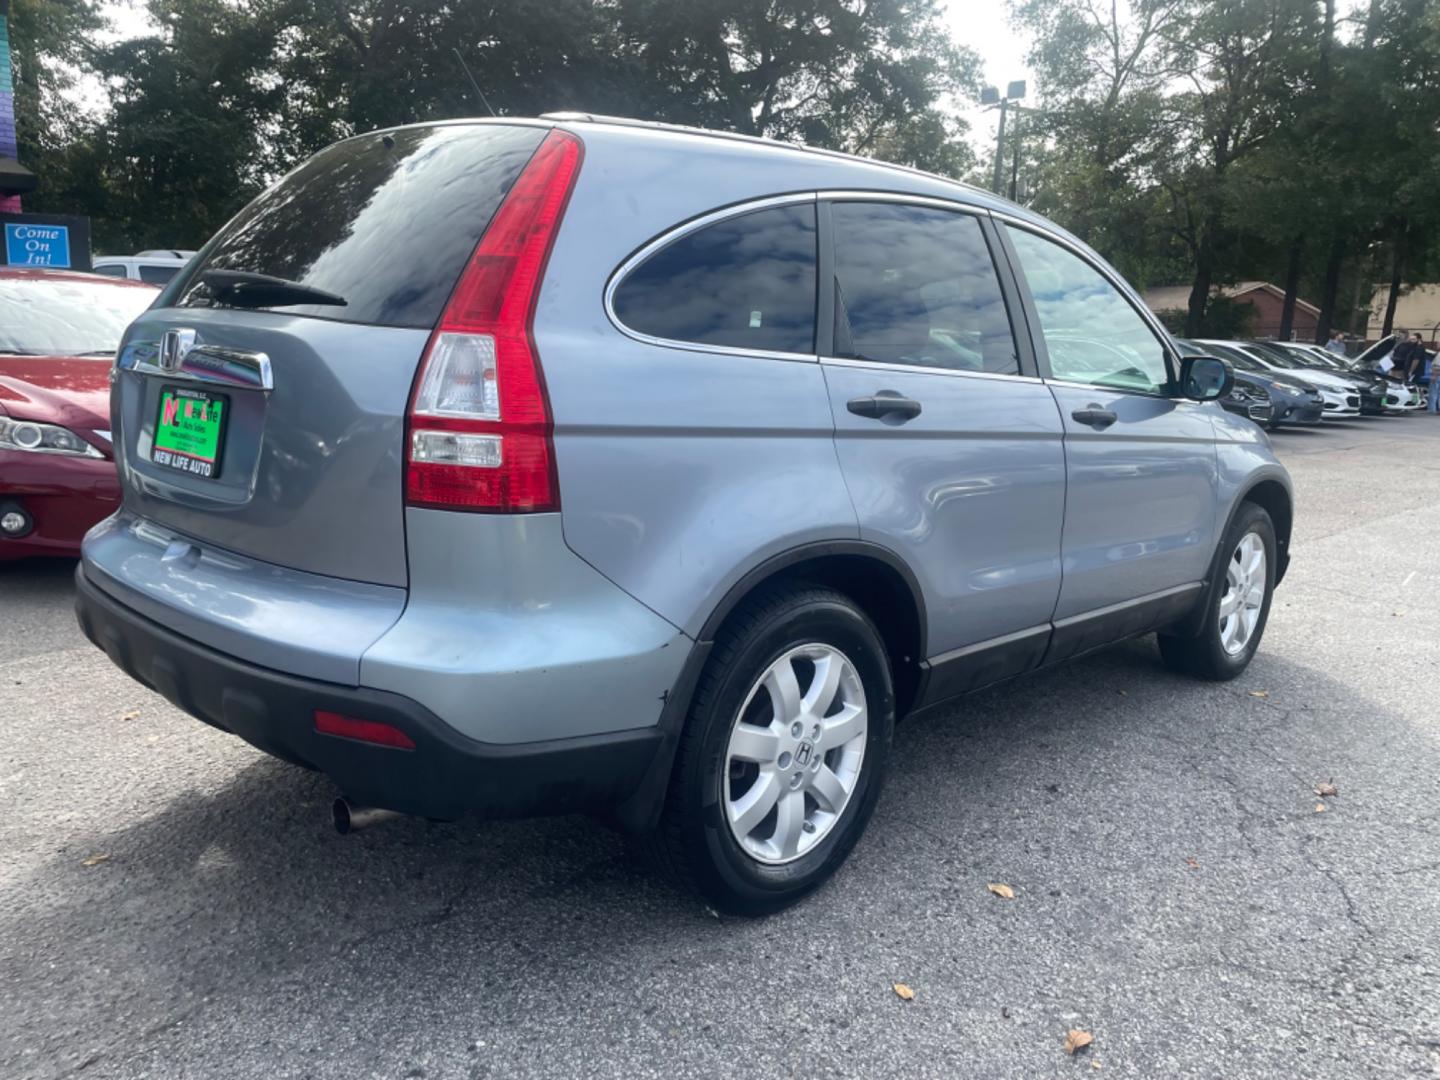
(242, 288)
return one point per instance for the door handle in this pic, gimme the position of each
(884, 404)
(1095, 416)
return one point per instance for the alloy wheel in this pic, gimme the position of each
(794, 755)
(1244, 593)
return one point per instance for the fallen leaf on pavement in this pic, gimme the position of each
(1001, 890)
(1319, 808)
(95, 860)
(904, 993)
(1095, 1064)
(1075, 1039)
(1259, 693)
(1193, 863)
(1328, 790)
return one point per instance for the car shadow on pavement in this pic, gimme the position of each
(1122, 803)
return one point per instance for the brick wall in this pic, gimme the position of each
(1266, 323)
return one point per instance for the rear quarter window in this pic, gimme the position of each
(745, 282)
(386, 220)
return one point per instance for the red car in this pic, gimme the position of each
(58, 335)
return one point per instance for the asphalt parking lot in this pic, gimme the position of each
(174, 904)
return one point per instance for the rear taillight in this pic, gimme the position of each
(479, 429)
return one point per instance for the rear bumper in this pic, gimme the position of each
(445, 775)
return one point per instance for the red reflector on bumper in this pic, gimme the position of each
(371, 731)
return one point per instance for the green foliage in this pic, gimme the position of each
(221, 98)
(1210, 141)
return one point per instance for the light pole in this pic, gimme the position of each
(991, 96)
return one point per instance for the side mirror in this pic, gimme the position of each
(1205, 378)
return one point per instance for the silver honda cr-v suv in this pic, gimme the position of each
(575, 464)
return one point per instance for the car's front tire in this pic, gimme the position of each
(784, 751)
(1237, 602)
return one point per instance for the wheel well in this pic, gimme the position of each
(882, 592)
(1271, 496)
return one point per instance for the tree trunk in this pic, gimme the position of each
(1292, 286)
(1200, 290)
(1331, 290)
(1397, 276)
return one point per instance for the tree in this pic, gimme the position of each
(1103, 70)
(49, 47)
(221, 98)
(191, 103)
(831, 73)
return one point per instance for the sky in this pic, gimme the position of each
(984, 26)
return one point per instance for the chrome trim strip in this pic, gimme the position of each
(989, 643)
(677, 233)
(859, 195)
(209, 364)
(920, 369)
(1112, 609)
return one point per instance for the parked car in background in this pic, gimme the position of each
(155, 267)
(655, 472)
(58, 336)
(1292, 401)
(1340, 396)
(1250, 400)
(1402, 396)
(1372, 386)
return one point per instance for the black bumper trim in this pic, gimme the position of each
(446, 775)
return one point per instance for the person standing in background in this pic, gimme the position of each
(1400, 356)
(1336, 344)
(1418, 356)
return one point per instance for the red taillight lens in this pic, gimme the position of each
(479, 433)
(371, 731)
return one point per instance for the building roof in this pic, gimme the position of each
(1177, 297)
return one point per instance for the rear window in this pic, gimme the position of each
(746, 282)
(385, 220)
(158, 275)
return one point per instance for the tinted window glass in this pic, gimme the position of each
(66, 316)
(1235, 356)
(1091, 332)
(110, 271)
(386, 221)
(918, 286)
(746, 282)
(158, 275)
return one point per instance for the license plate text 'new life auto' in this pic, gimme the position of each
(190, 431)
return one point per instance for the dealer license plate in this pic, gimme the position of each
(190, 431)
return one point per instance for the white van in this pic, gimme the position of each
(155, 266)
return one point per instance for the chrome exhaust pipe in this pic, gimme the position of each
(348, 817)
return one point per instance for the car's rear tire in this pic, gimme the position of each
(810, 748)
(1237, 602)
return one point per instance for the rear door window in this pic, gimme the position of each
(917, 285)
(747, 282)
(385, 220)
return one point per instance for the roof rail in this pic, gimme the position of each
(683, 129)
